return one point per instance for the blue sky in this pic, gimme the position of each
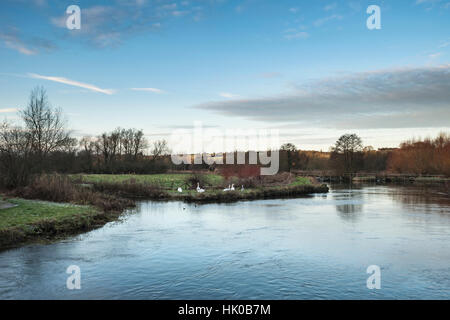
(311, 69)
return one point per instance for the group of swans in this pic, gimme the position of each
(200, 190)
(230, 188)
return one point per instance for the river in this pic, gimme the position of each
(316, 247)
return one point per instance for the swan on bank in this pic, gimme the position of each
(200, 190)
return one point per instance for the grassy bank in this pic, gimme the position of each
(31, 220)
(251, 194)
(164, 181)
(57, 206)
(164, 187)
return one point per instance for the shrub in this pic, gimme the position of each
(59, 188)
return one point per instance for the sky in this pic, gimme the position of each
(310, 69)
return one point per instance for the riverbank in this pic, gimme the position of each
(55, 206)
(252, 194)
(378, 177)
(165, 187)
(24, 221)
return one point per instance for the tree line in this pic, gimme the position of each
(427, 156)
(43, 143)
(349, 155)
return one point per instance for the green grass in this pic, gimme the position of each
(29, 212)
(166, 181)
(301, 181)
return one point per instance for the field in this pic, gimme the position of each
(165, 181)
(168, 181)
(164, 186)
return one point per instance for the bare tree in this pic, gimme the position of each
(89, 147)
(127, 142)
(15, 153)
(103, 146)
(45, 125)
(160, 148)
(139, 142)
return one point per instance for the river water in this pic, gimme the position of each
(316, 247)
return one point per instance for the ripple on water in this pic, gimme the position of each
(306, 248)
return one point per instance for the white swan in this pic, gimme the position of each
(227, 189)
(200, 190)
(180, 190)
(232, 187)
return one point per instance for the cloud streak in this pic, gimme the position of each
(109, 24)
(322, 21)
(13, 42)
(72, 83)
(8, 110)
(13, 39)
(407, 97)
(228, 95)
(154, 90)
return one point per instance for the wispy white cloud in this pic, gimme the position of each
(113, 22)
(426, 1)
(228, 95)
(270, 75)
(171, 6)
(444, 44)
(154, 90)
(8, 110)
(322, 21)
(13, 38)
(431, 4)
(330, 6)
(435, 55)
(295, 33)
(72, 83)
(293, 10)
(355, 6)
(433, 58)
(13, 42)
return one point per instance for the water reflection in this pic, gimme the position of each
(431, 199)
(349, 201)
(349, 212)
(301, 248)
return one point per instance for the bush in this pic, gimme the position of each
(196, 178)
(59, 188)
